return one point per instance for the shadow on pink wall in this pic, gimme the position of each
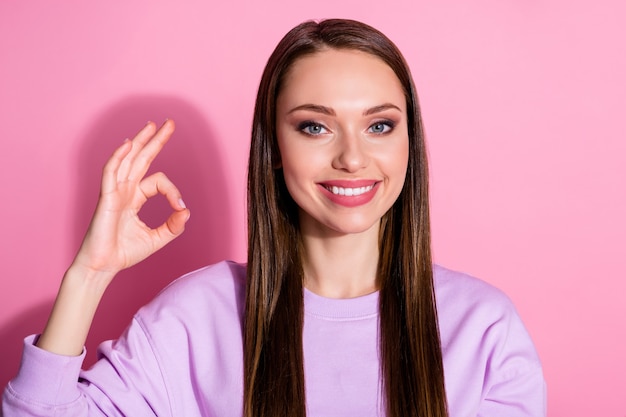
(192, 162)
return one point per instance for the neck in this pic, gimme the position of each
(341, 266)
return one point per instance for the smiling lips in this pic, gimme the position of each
(349, 193)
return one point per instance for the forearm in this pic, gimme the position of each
(76, 303)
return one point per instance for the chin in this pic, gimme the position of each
(348, 228)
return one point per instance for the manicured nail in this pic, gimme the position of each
(181, 203)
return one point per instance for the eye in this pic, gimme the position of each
(312, 128)
(381, 127)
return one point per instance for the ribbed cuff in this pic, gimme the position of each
(47, 378)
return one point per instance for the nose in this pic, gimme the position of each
(350, 155)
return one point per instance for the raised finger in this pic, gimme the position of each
(151, 149)
(111, 168)
(138, 142)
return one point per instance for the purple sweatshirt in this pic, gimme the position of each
(182, 356)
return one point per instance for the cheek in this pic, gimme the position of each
(295, 167)
(396, 159)
(299, 160)
(299, 170)
(397, 164)
(285, 157)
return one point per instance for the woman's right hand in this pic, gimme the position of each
(117, 238)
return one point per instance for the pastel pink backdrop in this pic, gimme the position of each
(524, 109)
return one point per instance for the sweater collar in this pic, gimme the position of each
(341, 308)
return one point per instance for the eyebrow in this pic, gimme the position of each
(315, 108)
(330, 112)
(382, 107)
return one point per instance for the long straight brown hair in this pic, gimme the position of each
(411, 361)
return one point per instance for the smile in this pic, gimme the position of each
(348, 191)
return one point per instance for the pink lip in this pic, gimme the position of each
(349, 183)
(349, 201)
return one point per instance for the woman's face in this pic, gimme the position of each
(342, 133)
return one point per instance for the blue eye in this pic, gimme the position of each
(312, 128)
(381, 127)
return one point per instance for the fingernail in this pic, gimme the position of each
(181, 203)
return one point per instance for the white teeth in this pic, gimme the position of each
(349, 191)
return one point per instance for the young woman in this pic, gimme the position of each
(339, 310)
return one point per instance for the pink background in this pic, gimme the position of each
(524, 106)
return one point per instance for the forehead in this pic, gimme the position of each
(341, 75)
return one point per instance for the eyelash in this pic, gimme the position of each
(386, 123)
(302, 127)
(308, 124)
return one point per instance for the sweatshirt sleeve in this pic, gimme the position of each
(45, 384)
(491, 366)
(520, 396)
(514, 385)
(125, 381)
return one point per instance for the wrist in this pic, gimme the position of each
(78, 298)
(87, 279)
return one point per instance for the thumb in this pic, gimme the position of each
(176, 222)
(173, 227)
